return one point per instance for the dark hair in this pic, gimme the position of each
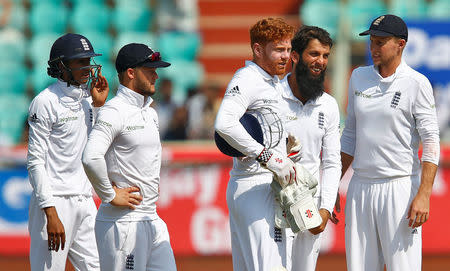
(307, 33)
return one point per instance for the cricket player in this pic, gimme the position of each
(256, 243)
(312, 116)
(124, 151)
(390, 109)
(62, 211)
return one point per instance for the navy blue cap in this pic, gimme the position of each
(71, 46)
(138, 55)
(387, 25)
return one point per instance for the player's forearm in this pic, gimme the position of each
(427, 179)
(228, 126)
(42, 190)
(346, 160)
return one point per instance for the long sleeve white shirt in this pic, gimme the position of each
(386, 118)
(124, 147)
(251, 88)
(316, 124)
(60, 119)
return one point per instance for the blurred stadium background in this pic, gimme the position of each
(206, 41)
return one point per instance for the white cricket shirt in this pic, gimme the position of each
(316, 124)
(60, 119)
(386, 118)
(124, 147)
(251, 88)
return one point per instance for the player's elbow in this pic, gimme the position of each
(87, 159)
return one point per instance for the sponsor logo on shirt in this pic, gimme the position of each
(267, 101)
(233, 91)
(291, 117)
(67, 119)
(34, 118)
(396, 99)
(104, 123)
(362, 95)
(133, 128)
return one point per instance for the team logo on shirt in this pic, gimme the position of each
(414, 231)
(396, 99)
(278, 237)
(129, 262)
(34, 118)
(91, 116)
(156, 124)
(321, 120)
(233, 91)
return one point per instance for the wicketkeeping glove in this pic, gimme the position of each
(281, 166)
(296, 200)
(294, 148)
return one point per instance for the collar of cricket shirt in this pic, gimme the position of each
(71, 96)
(133, 98)
(398, 71)
(267, 77)
(288, 94)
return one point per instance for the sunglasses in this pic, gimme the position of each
(155, 56)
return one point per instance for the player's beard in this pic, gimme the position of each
(310, 87)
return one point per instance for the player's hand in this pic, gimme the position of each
(337, 209)
(99, 89)
(282, 167)
(294, 148)
(325, 216)
(126, 197)
(419, 211)
(55, 230)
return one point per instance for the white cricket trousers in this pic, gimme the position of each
(134, 245)
(376, 227)
(77, 214)
(255, 243)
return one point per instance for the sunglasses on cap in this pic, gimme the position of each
(155, 56)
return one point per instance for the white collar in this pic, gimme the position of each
(72, 91)
(288, 94)
(264, 74)
(400, 68)
(132, 97)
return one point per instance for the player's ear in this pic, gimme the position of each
(130, 73)
(295, 57)
(401, 43)
(257, 49)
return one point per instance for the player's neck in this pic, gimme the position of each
(388, 69)
(295, 88)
